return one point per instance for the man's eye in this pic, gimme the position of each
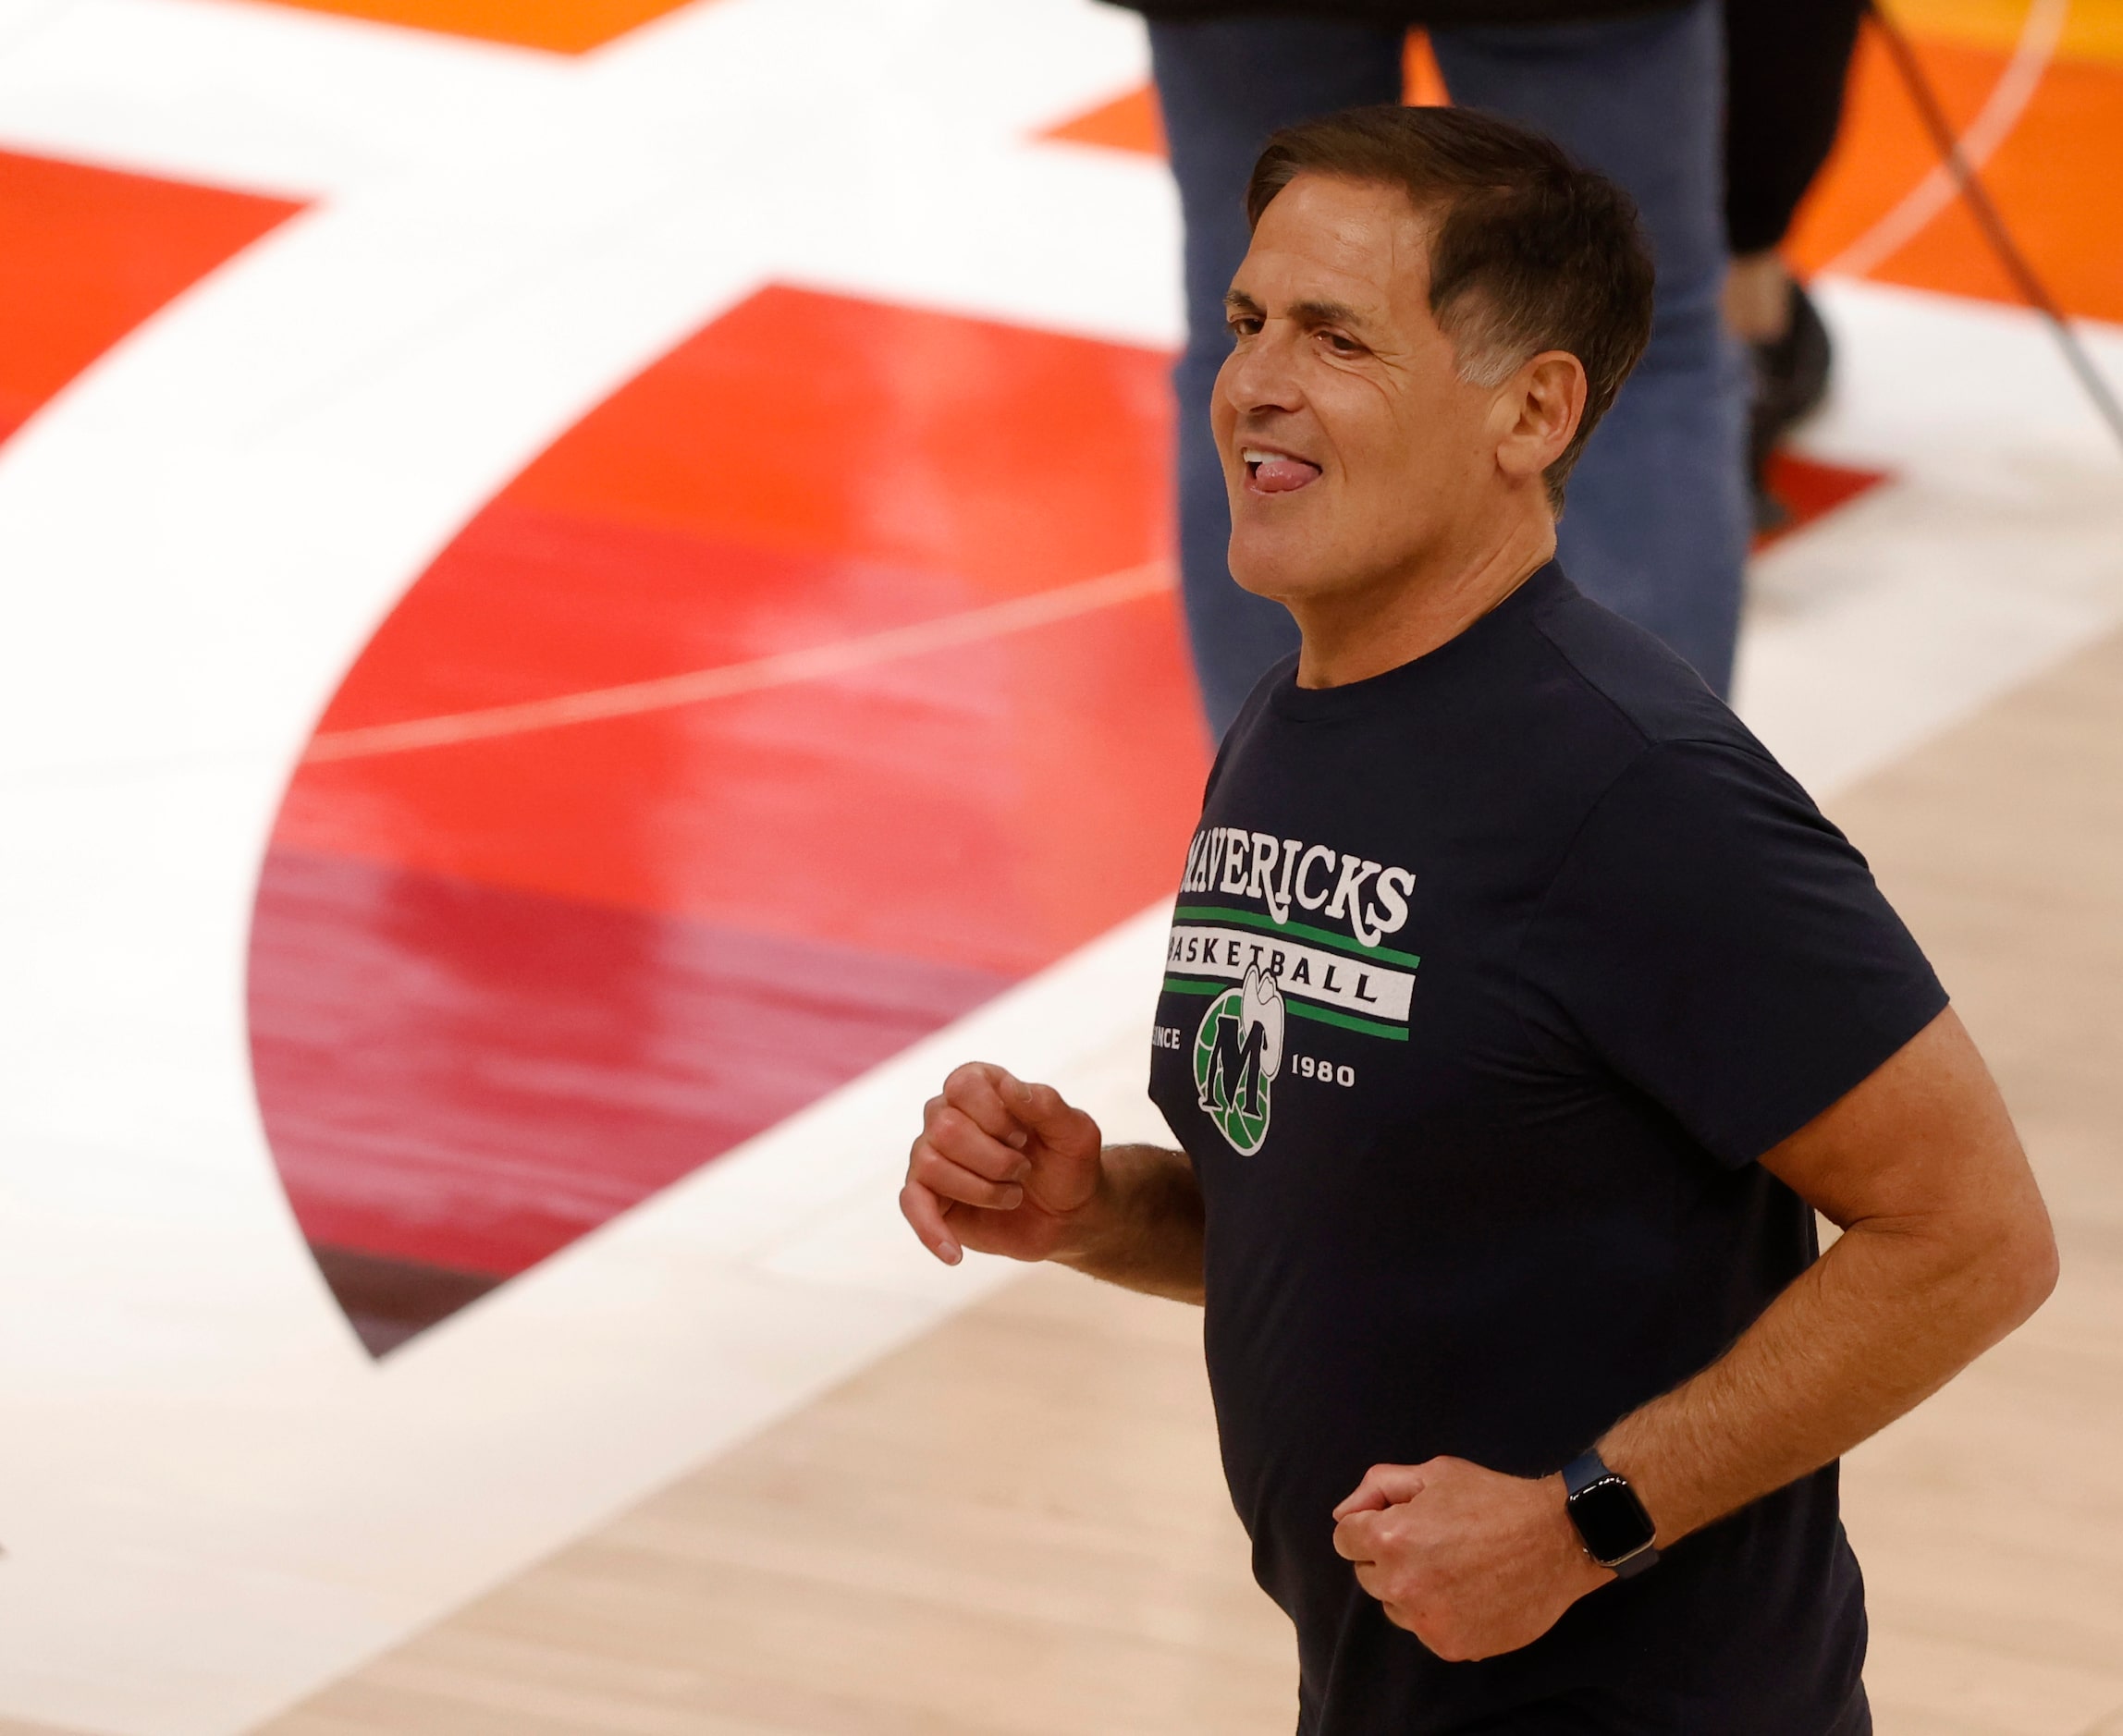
(1242, 327)
(1344, 345)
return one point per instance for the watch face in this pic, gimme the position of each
(1612, 1520)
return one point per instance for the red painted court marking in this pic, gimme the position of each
(86, 254)
(731, 506)
(1009, 459)
(886, 708)
(699, 687)
(469, 1078)
(1810, 490)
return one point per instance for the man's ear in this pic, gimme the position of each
(1540, 408)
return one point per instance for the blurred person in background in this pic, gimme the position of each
(1786, 64)
(1659, 511)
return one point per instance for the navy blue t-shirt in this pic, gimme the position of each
(1490, 979)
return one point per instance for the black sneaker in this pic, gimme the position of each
(1790, 381)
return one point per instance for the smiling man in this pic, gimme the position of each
(1520, 1012)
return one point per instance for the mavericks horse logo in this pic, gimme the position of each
(1238, 1053)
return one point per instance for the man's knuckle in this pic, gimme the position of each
(954, 1139)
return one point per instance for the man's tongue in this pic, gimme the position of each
(1278, 475)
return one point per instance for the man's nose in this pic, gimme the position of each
(1262, 375)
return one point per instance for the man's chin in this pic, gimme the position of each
(1281, 569)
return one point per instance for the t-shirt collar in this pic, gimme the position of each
(1357, 699)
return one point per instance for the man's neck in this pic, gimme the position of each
(1350, 636)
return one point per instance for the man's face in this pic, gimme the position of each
(1350, 444)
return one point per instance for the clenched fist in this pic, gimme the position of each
(1004, 1167)
(1470, 1562)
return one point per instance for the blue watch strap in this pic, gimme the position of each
(1583, 1472)
(1630, 1566)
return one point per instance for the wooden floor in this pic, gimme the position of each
(1018, 1526)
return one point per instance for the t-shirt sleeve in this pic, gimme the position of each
(1722, 947)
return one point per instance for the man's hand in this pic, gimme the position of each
(1001, 1167)
(1006, 1167)
(1470, 1562)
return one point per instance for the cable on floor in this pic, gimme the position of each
(1991, 221)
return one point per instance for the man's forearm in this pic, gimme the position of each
(1145, 1231)
(1879, 1322)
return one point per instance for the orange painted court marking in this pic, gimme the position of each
(1978, 141)
(1422, 85)
(87, 253)
(2056, 176)
(1131, 121)
(564, 27)
(2093, 30)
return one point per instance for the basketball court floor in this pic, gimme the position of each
(587, 610)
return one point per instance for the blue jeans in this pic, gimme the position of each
(1657, 523)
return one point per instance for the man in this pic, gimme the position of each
(1659, 519)
(1520, 1012)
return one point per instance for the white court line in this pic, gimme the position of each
(2039, 35)
(212, 1500)
(269, 98)
(1994, 550)
(813, 663)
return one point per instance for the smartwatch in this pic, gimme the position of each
(1612, 1522)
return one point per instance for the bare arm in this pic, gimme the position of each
(1006, 1167)
(1148, 1236)
(1946, 1248)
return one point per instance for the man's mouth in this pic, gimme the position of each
(1272, 473)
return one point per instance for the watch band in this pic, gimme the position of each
(1587, 1483)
